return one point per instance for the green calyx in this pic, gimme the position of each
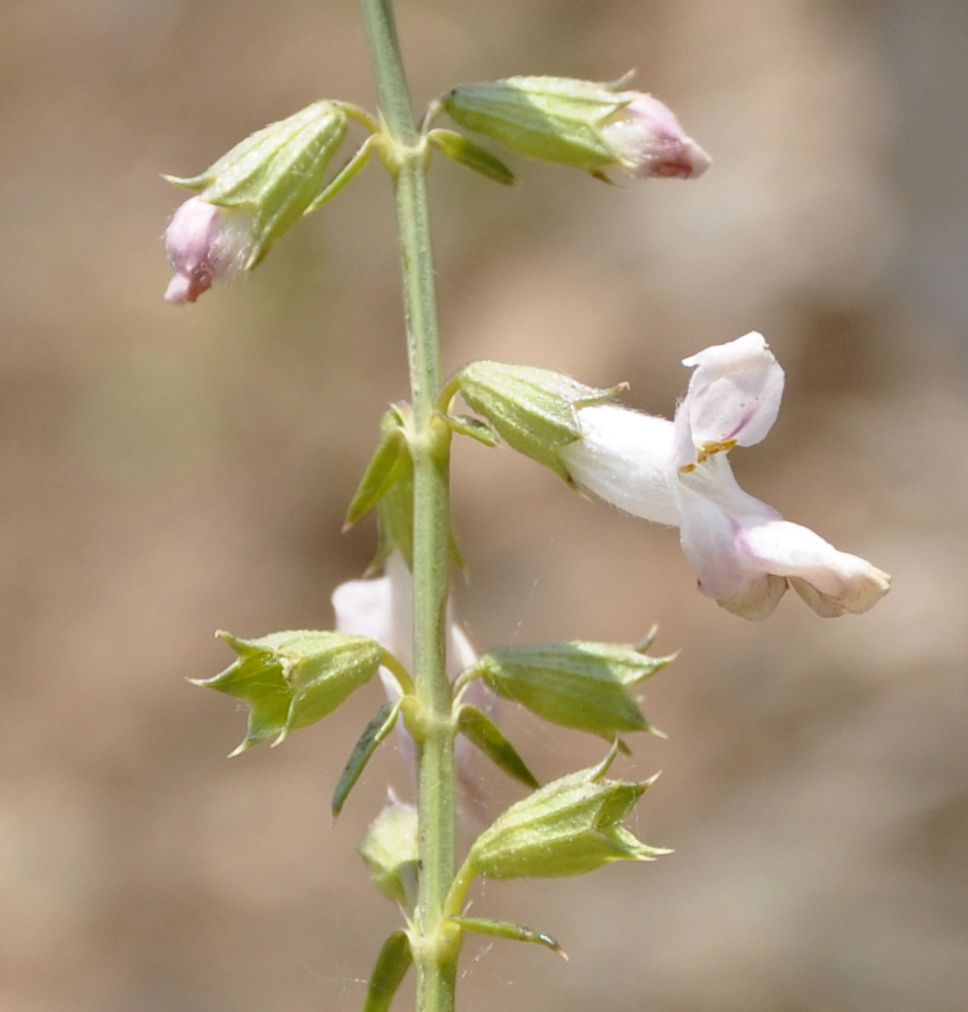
(275, 174)
(390, 852)
(571, 826)
(586, 686)
(293, 679)
(557, 119)
(533, 410)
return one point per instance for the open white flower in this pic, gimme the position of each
(743, 552)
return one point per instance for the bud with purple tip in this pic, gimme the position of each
(580, 124)
(649, 141)
(249, 197)
(203, 243)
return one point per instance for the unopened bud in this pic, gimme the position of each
(581, 124)
(648, 140)
(204, 243)
(259, 190)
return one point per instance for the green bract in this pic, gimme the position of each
(275, 174)
(581, 685)
(293, 679)
(571, 826)
(390, 852)
(533, 410)
(557, 119)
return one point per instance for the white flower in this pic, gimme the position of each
(743, 552)
(381, 608)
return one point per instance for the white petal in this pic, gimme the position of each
(363, 608)
(830, 581)
(733, 398)
(759, 601)
(744, 552)
(711, 540)
(625, 458)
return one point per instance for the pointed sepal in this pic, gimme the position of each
(293, 679)
(533, 410)
(275, 174)
(459, 148)
(391, 967)
(512, 932)
(586, 686)
(374, 734)
(388, 461)
(474, 428)
(479, 729)
(571, 826)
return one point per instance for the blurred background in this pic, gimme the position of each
(170, 471)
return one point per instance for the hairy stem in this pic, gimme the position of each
(435, 958)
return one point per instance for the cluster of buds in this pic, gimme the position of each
(260, 188)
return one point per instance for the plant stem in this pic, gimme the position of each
(436, 961)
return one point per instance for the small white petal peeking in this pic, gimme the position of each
(742, 551)
(381, 608)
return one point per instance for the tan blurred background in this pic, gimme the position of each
(167, 472)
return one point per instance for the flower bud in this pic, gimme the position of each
(571, 826)
(580, 124)
(293, 679)
(203, 243)
(391, 853)
(586, 686)
(264, 185)
(533, 410)
(649, 142)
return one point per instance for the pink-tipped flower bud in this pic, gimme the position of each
(649, 142)
(204, 242)
(582, 124)
(250, 197)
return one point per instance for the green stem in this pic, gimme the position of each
(435, 955)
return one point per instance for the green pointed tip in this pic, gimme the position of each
(656, 732)
(647, 640)
(620, 83)
(602, 768)
(243, 746)
(233, 641)
(186, 182)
